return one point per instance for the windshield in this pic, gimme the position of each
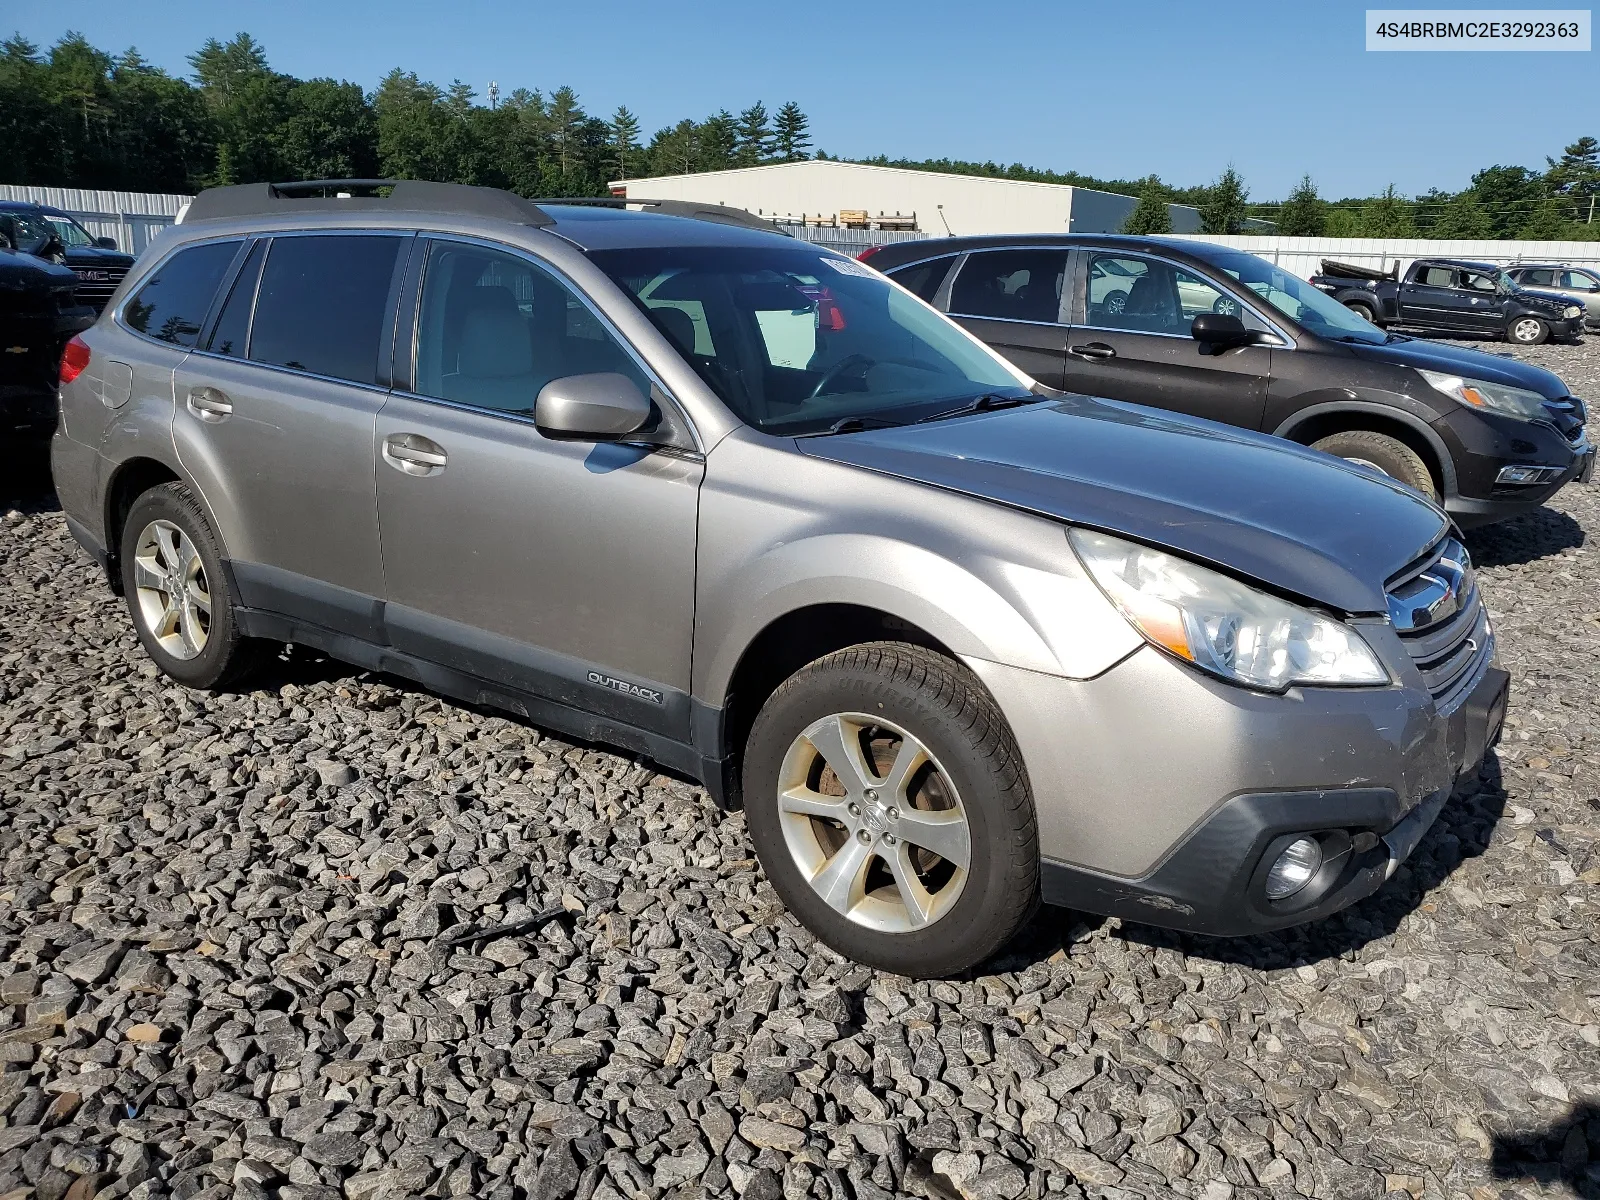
(1307, 306)
(68, 230)
(799, 341)
(26, 232)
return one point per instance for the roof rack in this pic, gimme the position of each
(413, 195)
(721, 214)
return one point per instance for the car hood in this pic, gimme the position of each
(1466, 361)
(1294, 519)
(97, 256)
(21, 272)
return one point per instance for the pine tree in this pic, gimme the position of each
(1462, 217)
(754, 136)
(624, 138)
(1387, 216)
(717, 142)
(1548, 222)
(1150, 215)
(791, 138)
(1224, 207)
(565, 115)
(1304, 214)
(1577, 176)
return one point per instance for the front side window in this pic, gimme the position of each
(797, 340)
(1580, 281)
(1011, 285)
(322, 304)
(171, 304)
(1479, 281)
(1147, 295)
(923, 279)
(495, 329)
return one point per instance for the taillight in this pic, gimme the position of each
(74, 359)
(868, 253)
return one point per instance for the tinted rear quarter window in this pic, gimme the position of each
(322, 304)
(923, 279)
(171, 305)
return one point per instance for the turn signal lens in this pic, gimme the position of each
(74, 359)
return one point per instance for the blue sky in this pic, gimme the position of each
(1181, 89)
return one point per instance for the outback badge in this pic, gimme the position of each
(626, 688)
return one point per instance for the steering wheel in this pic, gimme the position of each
(839, 369)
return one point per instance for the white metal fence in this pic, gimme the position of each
(1303, 256)
(132, 218)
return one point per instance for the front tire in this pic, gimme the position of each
(888, 804)
(178, 593)
(1388, 455)
(1528, 331)
(1364, 311)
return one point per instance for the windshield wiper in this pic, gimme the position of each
(987, 402)
(851, 425)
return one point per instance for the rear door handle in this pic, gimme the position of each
(209, 404)
(1092, 350)
(414, 454)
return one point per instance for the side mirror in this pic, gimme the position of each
(106, 243)
(1221, 331)
(602, 407)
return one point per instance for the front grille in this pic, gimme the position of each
(97, 290)
(1569, 415)
(1435, 607)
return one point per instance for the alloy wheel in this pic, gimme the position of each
(1525, 330)
(173, 594)
(874, 823)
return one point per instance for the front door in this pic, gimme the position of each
(1483, 307)
(560, 569)
(1435, 298)
(1131, 341)
(1012, 299)
(274, 418)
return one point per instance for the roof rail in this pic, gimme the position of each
(721, 214)
(405, 195)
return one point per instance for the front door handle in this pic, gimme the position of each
(413, 454)
(209, 404)
(1092, 350)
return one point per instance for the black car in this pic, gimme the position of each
(1218, 333)
(1451, 296)
(38, 314)
(50, 233)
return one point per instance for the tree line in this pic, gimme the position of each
(77, 116)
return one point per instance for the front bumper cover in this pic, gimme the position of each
(1212, 881)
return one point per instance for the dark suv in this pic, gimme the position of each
(1218, 333)
(41, 230)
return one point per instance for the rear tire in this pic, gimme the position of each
(178, 593)
(1389, 455)
(1527, 331)
(926, 749)
(1364, 311)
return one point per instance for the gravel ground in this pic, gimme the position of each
(336, 937)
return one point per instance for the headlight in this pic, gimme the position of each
(1572, 310)
(1493, 397)
(1222, 626)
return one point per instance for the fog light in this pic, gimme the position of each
(1526, 475)
(1294, 868)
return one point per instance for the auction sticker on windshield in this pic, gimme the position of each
(1477, 29)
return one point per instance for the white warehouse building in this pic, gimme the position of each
(827, 192)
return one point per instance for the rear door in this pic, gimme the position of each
(1130, 340)
(561, 569)
(275, 417)
(1013, 300)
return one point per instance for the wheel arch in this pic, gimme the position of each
(1318, 421)
(131, 479)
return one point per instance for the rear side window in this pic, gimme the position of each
(322, 303)
(1011, 285)
(171, 305)
(233, 325)
(923, 279)
(1438, 277)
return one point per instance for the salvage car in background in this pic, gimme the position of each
(1222, 334)
(52, 233)
(955, 641)
(1451, 296)
(1576, 285)
(38, 313)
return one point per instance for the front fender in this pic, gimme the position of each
(988, 582)
(1393, 406)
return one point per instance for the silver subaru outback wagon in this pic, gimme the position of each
(955, 642)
